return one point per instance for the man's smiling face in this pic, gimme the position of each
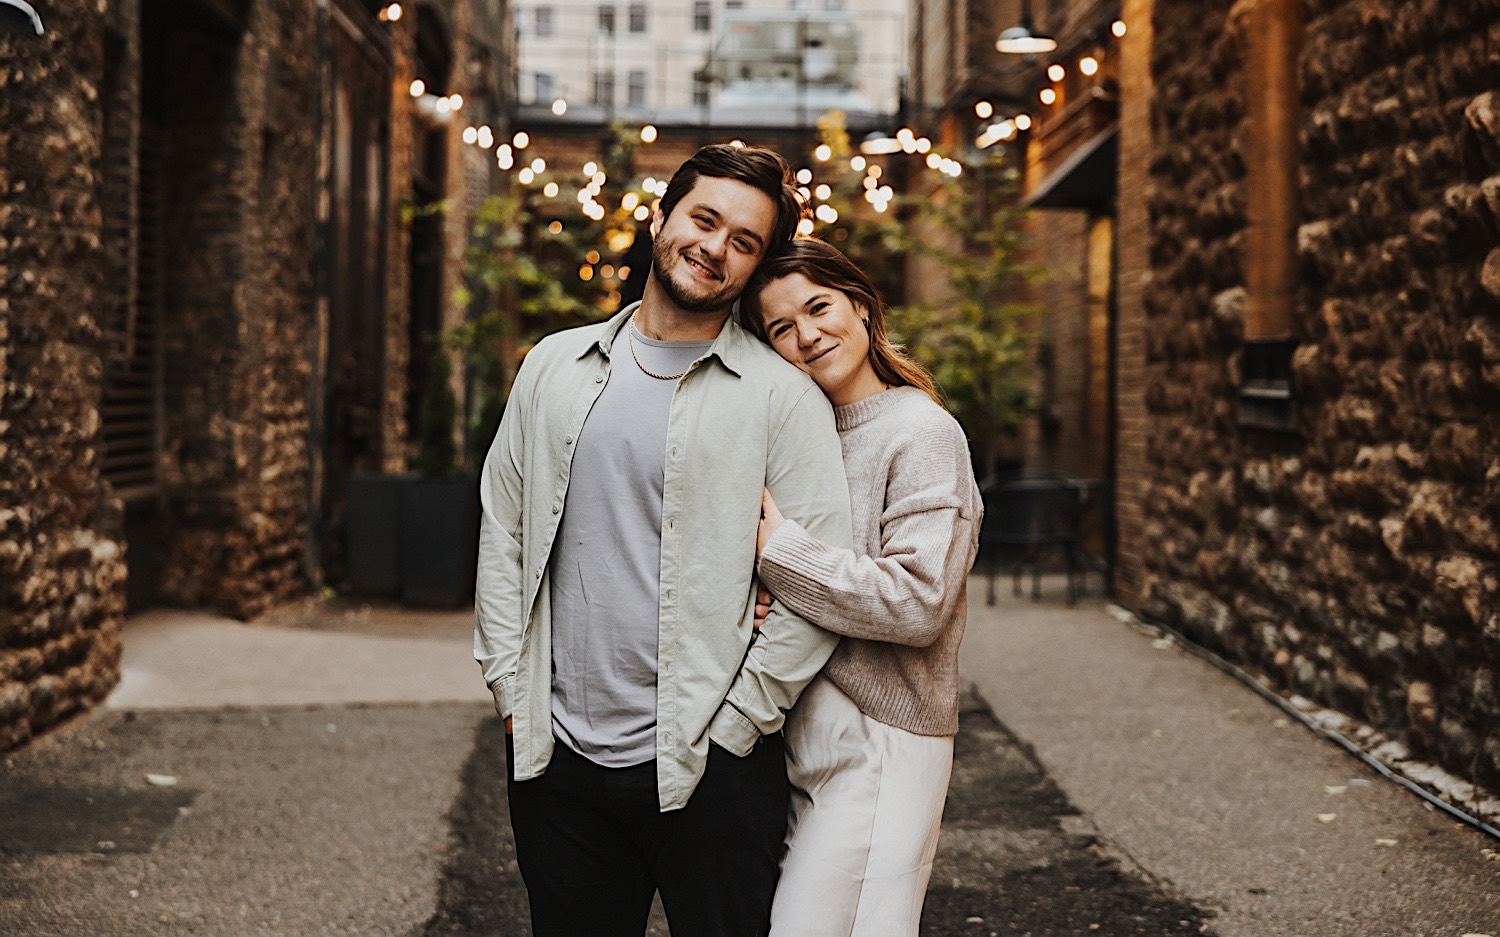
(706, 250)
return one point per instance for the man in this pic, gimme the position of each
(615, 604)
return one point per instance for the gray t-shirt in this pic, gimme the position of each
(606, 561)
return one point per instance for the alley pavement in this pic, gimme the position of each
(337, 769)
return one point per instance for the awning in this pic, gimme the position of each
(1086, 179)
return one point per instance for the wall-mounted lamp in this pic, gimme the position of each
(28, 11)
(1022, 38)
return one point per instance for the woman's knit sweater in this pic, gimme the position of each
(899, 598)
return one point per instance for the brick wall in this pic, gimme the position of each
(239, 238)
(61, 574)
(1132, 422)
(1357, 563)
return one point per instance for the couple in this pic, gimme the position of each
(646, 469)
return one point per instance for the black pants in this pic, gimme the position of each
(594, 848)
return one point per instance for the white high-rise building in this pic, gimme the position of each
(715, 62)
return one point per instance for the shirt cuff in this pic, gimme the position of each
(731, 731)
(504, 692)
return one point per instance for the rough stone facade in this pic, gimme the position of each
(236, 317)
(61, 574)
(1357, 561)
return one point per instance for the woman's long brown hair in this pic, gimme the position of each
(825, 265)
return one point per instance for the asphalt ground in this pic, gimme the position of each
(333, 769)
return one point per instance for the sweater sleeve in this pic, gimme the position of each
(902, 595)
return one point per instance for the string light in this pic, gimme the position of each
(418, 87)
(983, 110)
(1048, 96)
(823, 153)
(804, 175)
(1023, 121)
(526, 175)
(559, 107)
(455, 101)
(648, 134)
(642, 213)
(805, 227)
(504, 157)
(539, 165)
(555, 227)
(1056, 72)
(1118, 28)
(550, 190)
(471, 134)
(1088, 65)
(630, 201)
(857, 164)
(823, 191)
(590, 167)
(486, 137)
(521, 140)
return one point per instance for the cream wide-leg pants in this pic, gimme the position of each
(867, 800)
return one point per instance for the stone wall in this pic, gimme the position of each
(61, 575)
(1357, 562)
(237, 313)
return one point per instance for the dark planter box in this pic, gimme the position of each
(373, 533)
(439, 540)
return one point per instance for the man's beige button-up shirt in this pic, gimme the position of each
(741, 419)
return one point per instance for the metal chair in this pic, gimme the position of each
(1026, 522)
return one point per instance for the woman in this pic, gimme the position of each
(870, 744)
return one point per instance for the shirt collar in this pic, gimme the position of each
(733, 346)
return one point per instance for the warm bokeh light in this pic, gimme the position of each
(550, 190)
(1088, 65)
(1023, 121)
(804, 176)
(1118, 28)
(648, 134)
(555, 227)
(486, 137)
(857, 164)
(539, 165)
(1048, 96)
(521, 140)
(1056, 72)
(526, 175)
(471, 134)
(983, 110)
(822, 191)
(630, 201)
(418, 87)
(641, 213)
(823, 153)
(805, 227)
(559, 107)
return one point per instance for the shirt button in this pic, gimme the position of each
(538, 574)
(671, 523)
(598, 379)
(674, 452)
(556, 508)
(669, 593)
(568, 441)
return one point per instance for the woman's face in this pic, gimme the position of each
(823, 333)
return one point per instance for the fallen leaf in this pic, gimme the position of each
(1234, 714)
(1156, 733)
(1327, 817)
(1282, 723)
(1334, 788)
(1162, 644)
(1361, 782)
(161, 780)
(1385, 842)
(974, 920)
(332, 728)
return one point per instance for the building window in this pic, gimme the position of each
(701, 16)
(607, 18)
(544, 21)
(637, 17)
(700, 90)
(635, 91)
(604, 89)
(542, 83)
(734, 4)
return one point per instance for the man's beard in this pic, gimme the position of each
(663, 252)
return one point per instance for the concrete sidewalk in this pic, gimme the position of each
(1185, 775)
(1203, 784)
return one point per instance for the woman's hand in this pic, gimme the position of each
(770, 519)
(762, 605)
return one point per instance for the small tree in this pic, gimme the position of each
(520, 283)
(978, 343)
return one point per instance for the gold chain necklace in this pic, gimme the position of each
(630, 337)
